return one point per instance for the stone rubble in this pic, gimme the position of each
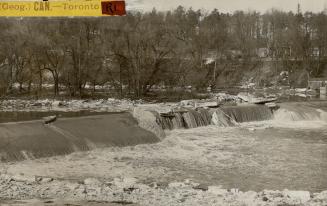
(129, 190)
(116, 105)
(101, 105)
(104, 105)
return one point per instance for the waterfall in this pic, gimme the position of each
(191, 119)
(178, 121)
(198, 118)
(205, 114)
(288, 115)
(229, 116)
(171, 121)
(295, 112)
(185, 119)
(224, 117)
(165, 122)
(148, 120)
(221, 119)
(248, 113)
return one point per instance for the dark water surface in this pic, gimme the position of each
(17, 116)
(32, 140)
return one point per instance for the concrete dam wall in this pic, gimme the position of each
(222, 116)
(34, 139)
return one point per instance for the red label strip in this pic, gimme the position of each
(113, 8)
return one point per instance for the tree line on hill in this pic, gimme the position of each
(139, 52)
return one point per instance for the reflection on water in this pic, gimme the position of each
(17, 116)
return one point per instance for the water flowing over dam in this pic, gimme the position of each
(185, 119)
(227, 116)
(25, 140)
(248, 113)
(302, 112)
(34, 139)
(223, 116)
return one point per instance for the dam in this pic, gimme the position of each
(34, 139)
(249, 147)
(222, 116)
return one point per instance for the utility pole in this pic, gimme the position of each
(215, 68)
(298, 8)
(214, 72)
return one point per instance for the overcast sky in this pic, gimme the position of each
(228, 5)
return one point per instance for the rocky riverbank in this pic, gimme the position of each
(130, 191)
(101, 105)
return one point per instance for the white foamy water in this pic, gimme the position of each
(299, 117)
(286, 152)
(234, 157)
(293, 116)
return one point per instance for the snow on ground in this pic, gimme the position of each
(102, 105)
(128, 191)
(112, 105)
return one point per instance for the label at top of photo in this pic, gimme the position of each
(61, 8)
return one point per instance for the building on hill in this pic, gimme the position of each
(317, 83)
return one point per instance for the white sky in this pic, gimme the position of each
(228, 5)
